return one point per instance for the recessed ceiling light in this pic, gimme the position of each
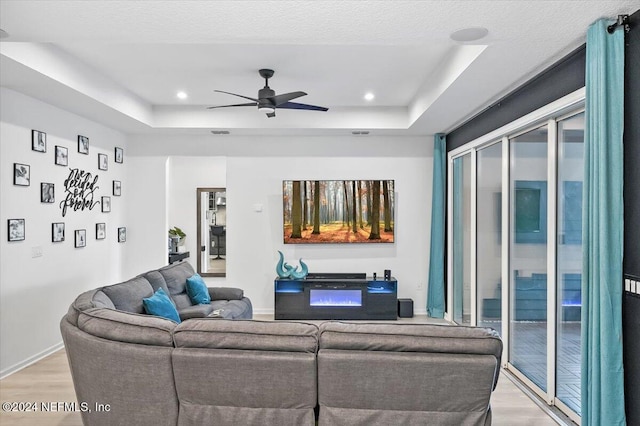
(181, 95)
(469, 34)
(369, 96)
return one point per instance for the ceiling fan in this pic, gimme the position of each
(268, 101)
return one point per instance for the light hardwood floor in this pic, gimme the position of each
(49, 381)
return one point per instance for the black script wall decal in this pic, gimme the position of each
(79, 188)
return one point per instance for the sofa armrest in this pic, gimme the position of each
(225, 293)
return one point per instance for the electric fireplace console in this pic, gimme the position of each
(336, 296)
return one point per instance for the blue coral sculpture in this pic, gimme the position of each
(284, 270)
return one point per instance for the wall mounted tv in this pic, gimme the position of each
(338, 211)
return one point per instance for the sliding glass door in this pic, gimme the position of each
(462, 239)
(528, 255)
(515, 249)
(488, 236)
(569, 259)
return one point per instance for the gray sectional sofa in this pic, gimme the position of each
(226, 302)
(209, 370)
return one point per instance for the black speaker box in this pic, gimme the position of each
(405, 308)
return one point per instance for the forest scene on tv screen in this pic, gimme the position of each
(338, 211)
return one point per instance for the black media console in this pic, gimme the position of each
(336, 296)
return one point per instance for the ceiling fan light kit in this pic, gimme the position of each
(267, 101)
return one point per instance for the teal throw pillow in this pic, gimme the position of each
(197, 290)
(161, 305)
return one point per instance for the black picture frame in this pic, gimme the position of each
(21, 174)
(15, 229)
(103, 162)
(101, 231)
(122, 234)
(118, 155)
(105, 203)
(57, 232)
(47, 192)
(61, 156)
(38, 141)
(83, 145)
(80, 238)
(117, 188)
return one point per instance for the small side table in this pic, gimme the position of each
(177, 257)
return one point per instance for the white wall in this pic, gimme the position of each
(36, 292)
(255, 168)
(146, 214)
(253, 238)
(186, 174)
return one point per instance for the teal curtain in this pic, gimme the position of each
(602, 368)
(435, 294)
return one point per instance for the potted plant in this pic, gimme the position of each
(177, 236)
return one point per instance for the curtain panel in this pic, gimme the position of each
(435, 295)
(602, 364)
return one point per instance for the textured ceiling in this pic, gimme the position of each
(122, 62)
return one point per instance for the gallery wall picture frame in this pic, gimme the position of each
(106, 204)
(80, 238)
(83, 144)
(57, 232)
(38, 141)
(61, 156)
(16, 229)
(21, 174)
(122, 234)
(103, 162)
(101, 231)
(119, 155)
(117, 188)
(47, 192)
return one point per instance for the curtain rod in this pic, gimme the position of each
(623, 21)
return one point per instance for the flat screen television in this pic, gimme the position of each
(338, 211)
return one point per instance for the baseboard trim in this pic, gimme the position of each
(263, 311)
(31, 360)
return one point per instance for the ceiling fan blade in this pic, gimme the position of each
(234, 105)
(235, 94)
(295, 105)
(271, 114)
(285, 97)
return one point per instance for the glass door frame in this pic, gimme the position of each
(549, 115)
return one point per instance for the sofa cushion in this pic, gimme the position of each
(410, 338)
(101, 300)
(175, 275)
(127, 296)
(197, 290)
(225, 293)
(195, 311)
(83, 302)
(428, 338)
(233, 309)
(247, 335)
(161, 305)
(127, 327)
(157, 281)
